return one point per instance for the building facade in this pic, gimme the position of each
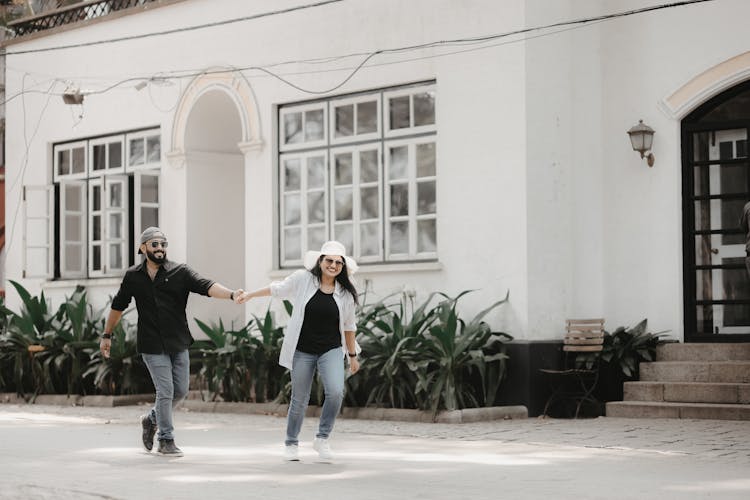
(451, 145)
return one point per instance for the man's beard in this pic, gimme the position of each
(156, 260)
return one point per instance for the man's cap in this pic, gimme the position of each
(149, 234)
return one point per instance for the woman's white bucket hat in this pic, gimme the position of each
(330, 248)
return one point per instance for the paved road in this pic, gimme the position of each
(49, 452)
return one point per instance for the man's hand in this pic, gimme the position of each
(237, 294)
(104, 346)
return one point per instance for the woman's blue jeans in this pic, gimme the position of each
(171, 376)
(331, 371)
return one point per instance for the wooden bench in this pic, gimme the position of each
(574, 383)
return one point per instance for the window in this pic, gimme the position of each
(360, 169)
(107, 193)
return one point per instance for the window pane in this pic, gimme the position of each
(63, 162)
(369, 239)
(343, 171)
(369, 203)
(399, 157)
(400, 237)
(343, 204)
(97, 258)
(149, 189)
(149, 217)
(367, 117)
(426, 236)
(79, 160)
(115, 155)
(99, 157)
(314, 125)
(292, 208)
(733, 178)
(292, 128)
(316, 172)
(426, 159)
(316, 236)
(73, 257)
(291, 175)
(137, 154)
(730, 210)
(73, 228)
(292, 248)
(344, 120)
(115, 226)
(96, 202)
(399, 112)
(343, 233)
(424, 109)
(115, 195)
(73, 201)
(115, 257)
(426, 198)
(316, 209)
(399, 200)
(96, 229)
(153, 149)
(368, 166)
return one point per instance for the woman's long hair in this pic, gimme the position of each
(342, 277)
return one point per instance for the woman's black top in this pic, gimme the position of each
(320, 328)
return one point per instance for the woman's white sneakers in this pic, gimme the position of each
(324, 449)
(291, 453)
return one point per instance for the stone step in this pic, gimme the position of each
(644, 409)
(696, 371)
(687, 392)
(674, 351)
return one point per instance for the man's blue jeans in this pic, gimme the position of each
(331, 371)
(171, 376)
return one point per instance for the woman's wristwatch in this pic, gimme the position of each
(352, 354)
(106, 335)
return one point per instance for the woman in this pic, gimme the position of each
(320, 333)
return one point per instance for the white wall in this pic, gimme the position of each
(538, 193)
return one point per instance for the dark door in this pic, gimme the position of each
(716, 186)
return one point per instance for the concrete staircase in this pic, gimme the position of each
(705, 381)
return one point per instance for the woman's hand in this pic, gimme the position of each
(353, 365)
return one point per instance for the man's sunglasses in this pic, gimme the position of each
(157, 244)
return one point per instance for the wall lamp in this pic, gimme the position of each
(641, 138)
(72, 96)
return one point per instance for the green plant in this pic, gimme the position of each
(271, 379)
(625, 348)
(455, 354)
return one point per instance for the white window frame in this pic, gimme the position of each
(356, 187)
(64, 271)
(38, 215)
(94, 183)
(106, 141)
(143, 135)
(111, 240)
(355, 137)
(303, 192)
(70, 146)
(303, 109)
(139, 203)
(411, 129)
(412, 216)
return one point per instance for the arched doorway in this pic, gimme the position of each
(716, 186)
(215, 208)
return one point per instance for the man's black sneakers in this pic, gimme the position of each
(149, 430)
(168, 448)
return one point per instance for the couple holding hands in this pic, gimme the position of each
(320, 334)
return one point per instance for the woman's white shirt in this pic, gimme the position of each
(299, 287)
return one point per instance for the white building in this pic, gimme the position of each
(446, 148)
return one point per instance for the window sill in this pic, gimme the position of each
(368, 269)
(84, 282)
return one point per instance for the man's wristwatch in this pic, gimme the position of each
(352, 354)
(231, 295)
(106, 335)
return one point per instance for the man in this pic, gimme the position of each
(161, 288)
(745, 226)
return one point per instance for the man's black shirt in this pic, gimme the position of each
(162, 324)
